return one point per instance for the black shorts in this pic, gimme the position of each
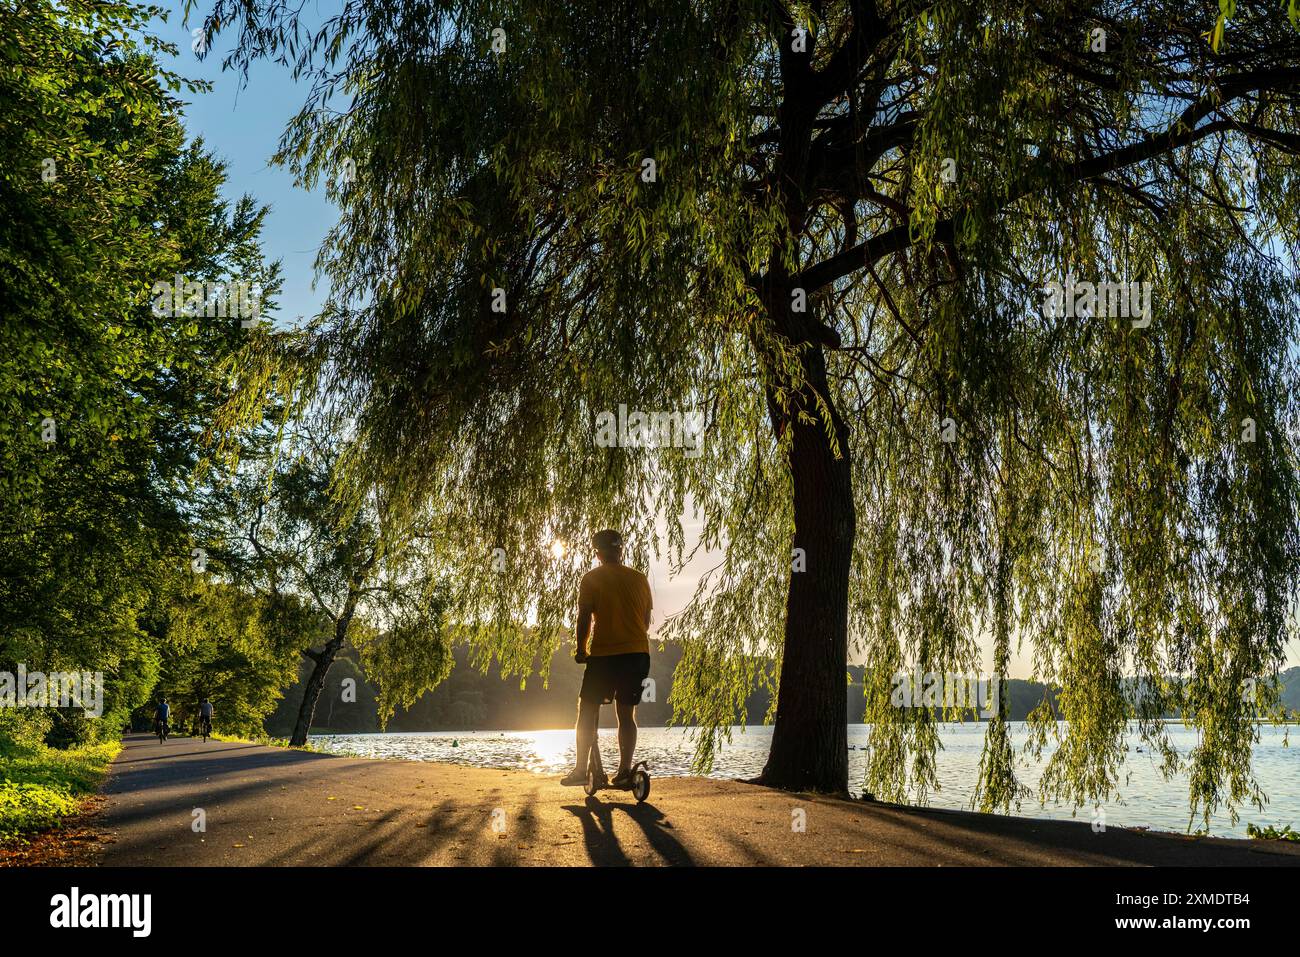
(615, 676)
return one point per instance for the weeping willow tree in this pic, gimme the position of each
(330, 571)
(892, 255)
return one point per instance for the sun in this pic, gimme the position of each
(558, 548)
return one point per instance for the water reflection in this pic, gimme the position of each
(1146, 798)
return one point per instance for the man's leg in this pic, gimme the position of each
(585, 732)
(626, 735)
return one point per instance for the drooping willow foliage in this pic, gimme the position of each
(1116, 496)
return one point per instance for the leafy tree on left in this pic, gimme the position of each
(224, 643)
(104, 402)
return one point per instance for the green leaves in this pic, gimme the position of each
(94, 520)
(1215, 36)
(219, 641)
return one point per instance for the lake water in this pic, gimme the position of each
(1146, 798)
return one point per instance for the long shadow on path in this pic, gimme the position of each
(603, 845)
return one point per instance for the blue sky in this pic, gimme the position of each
(242, 124)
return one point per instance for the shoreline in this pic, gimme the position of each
(1125, 807)
(734, 727)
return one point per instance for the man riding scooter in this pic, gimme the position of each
(614, 606)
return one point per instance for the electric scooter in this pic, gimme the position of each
(597, 780)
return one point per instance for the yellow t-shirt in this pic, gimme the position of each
(619, 597)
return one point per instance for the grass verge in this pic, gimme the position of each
(265, 741)
(41, 786)
(1271, 833)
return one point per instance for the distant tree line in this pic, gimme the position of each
(473, 700)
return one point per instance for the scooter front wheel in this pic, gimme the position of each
(594, 774)
(640, 784)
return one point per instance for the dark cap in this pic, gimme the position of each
(607, 540)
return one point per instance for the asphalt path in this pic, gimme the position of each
(190, 803)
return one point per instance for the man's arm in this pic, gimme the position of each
(584, 631)
(586, 608)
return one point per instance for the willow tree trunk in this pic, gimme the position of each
(316, 681)
(810, 736)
